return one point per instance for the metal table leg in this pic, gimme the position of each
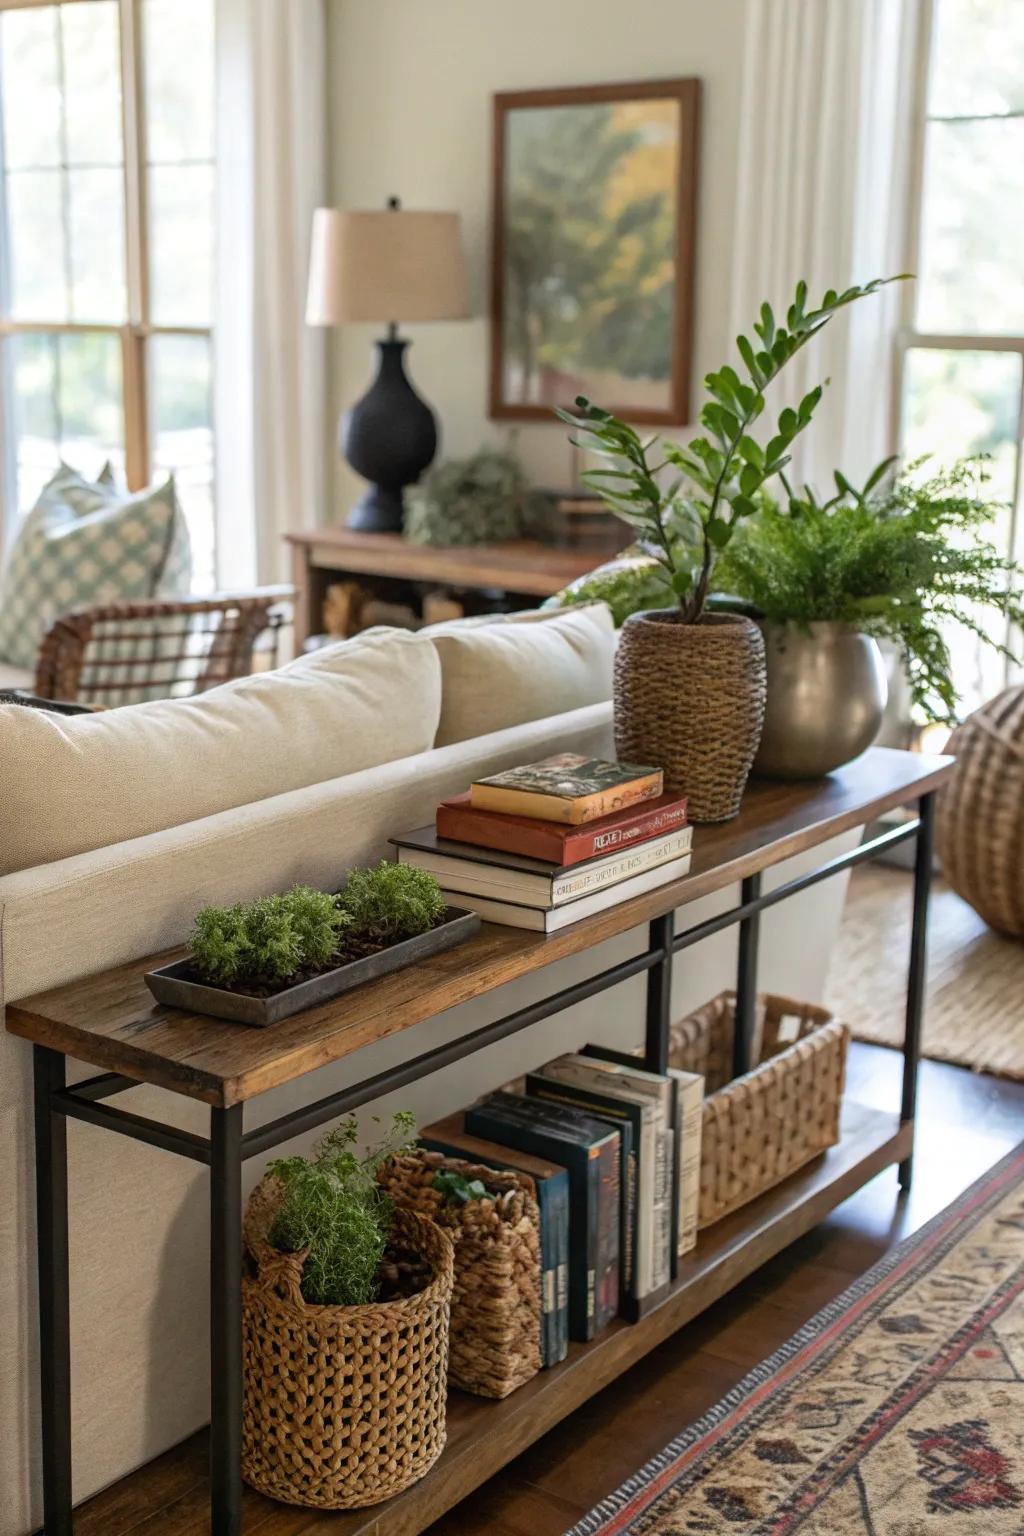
(659, 995)
(746, 980)
(917, 971)
(226, 1320)
(54, 1306)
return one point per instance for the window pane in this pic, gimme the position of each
(972, 273)
(67, 405)
(958, 403)
(178, 43)
(181, 411)
(91, 58)
(30, 85)
(96, 220)
(977, 59)
(181, 244)
(35, 242)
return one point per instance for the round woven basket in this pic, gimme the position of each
(496, 1300)
(980, 815)
(690, 698)
(343, 1406)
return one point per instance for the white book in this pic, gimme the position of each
(691, 1115)
(500, 877)
(549, 920)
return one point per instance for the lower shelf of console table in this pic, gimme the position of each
(485, 1436)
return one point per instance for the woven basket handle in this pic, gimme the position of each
(282, 1272)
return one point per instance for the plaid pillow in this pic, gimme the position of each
(84, 542)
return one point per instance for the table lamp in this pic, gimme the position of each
(390, 264)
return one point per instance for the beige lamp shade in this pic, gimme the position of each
(392, 264)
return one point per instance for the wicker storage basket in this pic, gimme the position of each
(496, 1300)
(980, 821)
(760, 1128)
(343, 1406)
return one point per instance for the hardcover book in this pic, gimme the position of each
(589, 1149)
(511, 877)
(567, 788)
(551, 1182)
(549, 920)
(557, 843)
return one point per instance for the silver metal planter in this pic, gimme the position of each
(826, 696)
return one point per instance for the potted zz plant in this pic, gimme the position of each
(345, 1308)
(689, 683)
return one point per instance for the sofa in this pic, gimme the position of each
(117, 827)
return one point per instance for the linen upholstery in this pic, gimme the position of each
(85, 542)
(498, 675)
(72, 783)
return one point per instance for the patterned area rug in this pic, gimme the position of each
(898, 1411)
(973, 1015)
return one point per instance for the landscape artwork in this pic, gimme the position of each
(594, 203)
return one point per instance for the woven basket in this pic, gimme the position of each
(496, 1300)
(343, 1406)
(760, 1128)
(690, 698)
(980, 815)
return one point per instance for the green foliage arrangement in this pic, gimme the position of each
(628, 584)
(334, 1208)
(457, 1189)
(720, 476)
(391, 902)
(267, 940)
(896, 559)
(477, 500)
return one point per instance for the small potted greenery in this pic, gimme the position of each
(690, 683)
(261, 961)
(345, 1308)
(899, 560)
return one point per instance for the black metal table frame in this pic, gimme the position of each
(229, 1145)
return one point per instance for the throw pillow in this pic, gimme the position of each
(83, 543)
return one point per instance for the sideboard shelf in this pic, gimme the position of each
(111, 1022)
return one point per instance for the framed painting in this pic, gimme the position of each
(594, 208)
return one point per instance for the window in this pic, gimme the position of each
(962, 362)
(106, 246)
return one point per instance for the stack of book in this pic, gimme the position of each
(614, 1151)
(553, 842)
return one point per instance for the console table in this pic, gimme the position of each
(111, 1021)
(523, 566)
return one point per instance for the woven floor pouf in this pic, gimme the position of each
(760, 1128)
(496, 1300)
(343, 1406)
(980, 815)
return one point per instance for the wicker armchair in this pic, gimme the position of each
(126, 653)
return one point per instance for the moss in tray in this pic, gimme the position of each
(261, 947)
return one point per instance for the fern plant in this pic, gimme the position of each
(899, 559)
(334, 1207)
(685, 521)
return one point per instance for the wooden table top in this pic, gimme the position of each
(521, 565)
(111, 1021)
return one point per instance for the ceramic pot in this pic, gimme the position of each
(826, 697)
(689, 698)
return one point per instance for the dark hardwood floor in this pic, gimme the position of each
(966, 1123)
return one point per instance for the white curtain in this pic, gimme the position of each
(270, 367)
(824, 193)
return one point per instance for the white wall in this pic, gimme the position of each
(410, 87)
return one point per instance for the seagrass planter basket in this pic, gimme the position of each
(496, 1299)
(343, 1406)
(760, 1128)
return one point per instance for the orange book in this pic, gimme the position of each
(566, 788)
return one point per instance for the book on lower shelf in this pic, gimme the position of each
(551, 1181)
(590, 1151)
(567, 788)
(551, 919)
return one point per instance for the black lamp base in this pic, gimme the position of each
(380, 509)
(389, 437)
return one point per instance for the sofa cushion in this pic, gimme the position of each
(498, 675)
(87, 781)
(83, 543)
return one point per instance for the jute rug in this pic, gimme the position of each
(975, 1008)
(898, 1411)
